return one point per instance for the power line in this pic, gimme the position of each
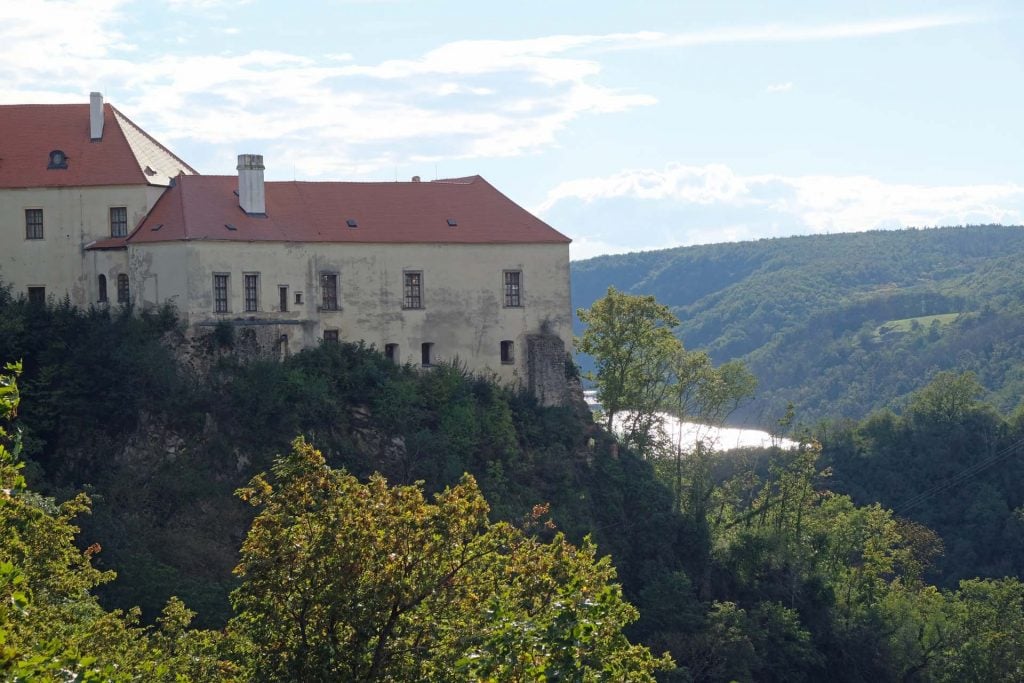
(960, 477)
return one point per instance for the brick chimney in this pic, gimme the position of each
(95, 116)
(251, 194)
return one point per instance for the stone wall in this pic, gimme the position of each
(545, 362)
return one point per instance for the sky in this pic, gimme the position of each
(625, 125)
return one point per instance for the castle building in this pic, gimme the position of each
(94, 209)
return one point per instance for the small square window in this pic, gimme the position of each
(508, 354)
(412, 289)
(298, 298)
(331, 336)
(118, 221)
(33, 224)
(37, 296)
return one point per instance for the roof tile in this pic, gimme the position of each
(198, 208)
(31, 131)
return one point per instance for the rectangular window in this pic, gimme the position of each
(252, 291)
(391, 352)
(122, 288)
(220, 292)
(513, 288)
(329, 291)
(331, 336)
(118, 221)
(508, 354)
(298, 298)
(426, 353)
(413, 289)
(33, 224)
(103, 289)
(282, 295)
(37, 296)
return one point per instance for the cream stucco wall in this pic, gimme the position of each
(72, 217)
(463, 313)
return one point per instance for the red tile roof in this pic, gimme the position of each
(29, 132)
(202, 208)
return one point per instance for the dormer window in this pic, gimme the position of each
(58, 159)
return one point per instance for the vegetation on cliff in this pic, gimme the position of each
(759, 567)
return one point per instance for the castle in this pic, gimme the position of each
(94, 209)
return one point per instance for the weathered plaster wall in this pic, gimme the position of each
(463, 313)
(72, 217)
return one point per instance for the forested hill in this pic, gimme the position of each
(841, 324)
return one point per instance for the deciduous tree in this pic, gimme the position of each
(343, 580)
(631, 340)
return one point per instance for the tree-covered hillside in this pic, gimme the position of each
(745, 568)
(841, 324)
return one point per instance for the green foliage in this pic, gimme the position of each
(952, 464)
(631, 340)
(643, 371)
(758, 566)
(51, 626)
(819, 319)
(350, 581)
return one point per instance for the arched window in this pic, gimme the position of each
(122, 289)
(103, 288)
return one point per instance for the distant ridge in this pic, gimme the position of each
(843, 324)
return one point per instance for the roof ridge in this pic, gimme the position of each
(119, 116)
(462, 180)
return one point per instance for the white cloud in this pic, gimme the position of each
(204, 4)
(524, 92)
(779, 87)
(789, 33)
(515, 96)
(683, 204)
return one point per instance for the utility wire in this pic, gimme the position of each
(960, 477)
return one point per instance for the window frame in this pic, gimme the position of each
(512, 292)
(32, 227)
(508, 352)
(329, 303)
(121, 223)
(123, 288)
(282, 298)
(36, 295)
(101, 285)
(412, 293)
(251, 292)
(427, 354)
(331, 336)
(391, 352)
(222, 304)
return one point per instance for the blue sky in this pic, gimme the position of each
(627, 126)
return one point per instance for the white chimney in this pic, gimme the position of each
(251, 195)
(95, 116)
